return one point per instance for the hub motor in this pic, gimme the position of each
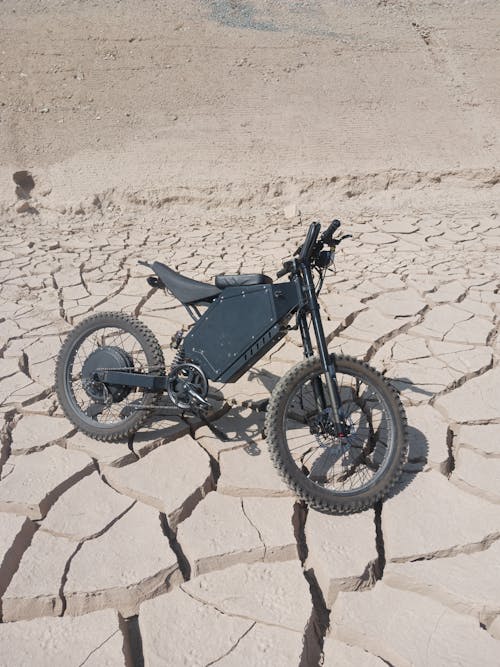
(109, 357)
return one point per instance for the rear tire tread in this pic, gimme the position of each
(140, 416)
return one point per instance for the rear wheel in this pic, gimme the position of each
(114, 341)
(332, 473)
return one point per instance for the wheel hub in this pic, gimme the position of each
(108, 357)
(322, 424)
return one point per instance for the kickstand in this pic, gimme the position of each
(216, 431)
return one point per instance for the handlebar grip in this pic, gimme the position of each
(287, 267)
(311, 238)
(327, 236)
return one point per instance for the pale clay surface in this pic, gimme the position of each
(208, 135)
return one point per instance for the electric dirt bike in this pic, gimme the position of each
(335, 427)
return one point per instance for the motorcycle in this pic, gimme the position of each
(335, 427)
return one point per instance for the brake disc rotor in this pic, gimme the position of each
(109, 357)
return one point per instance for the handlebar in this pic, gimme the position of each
(311, 245)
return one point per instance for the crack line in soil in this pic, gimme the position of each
(214, 662)
(184, 566)
(319, 620)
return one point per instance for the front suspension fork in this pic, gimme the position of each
(327, 362)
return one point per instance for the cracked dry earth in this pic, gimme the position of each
(183, 547)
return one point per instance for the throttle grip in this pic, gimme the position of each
(327, 236)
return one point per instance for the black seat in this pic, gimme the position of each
(187, 290)
(242, 279)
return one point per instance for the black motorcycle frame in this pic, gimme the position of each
(224, 346)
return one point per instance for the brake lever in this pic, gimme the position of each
(336, 242)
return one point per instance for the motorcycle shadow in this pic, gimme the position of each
(168, 422)
(416, 461)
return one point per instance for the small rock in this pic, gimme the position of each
(291, 211)
(25, 207)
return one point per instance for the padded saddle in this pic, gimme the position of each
(190, 291)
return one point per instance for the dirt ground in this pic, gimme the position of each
(208, 134)
(156, 96)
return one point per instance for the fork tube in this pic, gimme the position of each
(306, 336)
(317, 386)
(326, 362)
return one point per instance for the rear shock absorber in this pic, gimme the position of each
(176, 344)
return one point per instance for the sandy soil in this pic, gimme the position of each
(207, 135)
(160, 96)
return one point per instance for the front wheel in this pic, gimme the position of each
(331, 473)
(114, 341)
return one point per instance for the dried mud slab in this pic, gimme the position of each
(117, 570)
(212, 633)
(337, 653)
(250, 473)
(94, 639)
(265, 645)
(37, 480)
(72, 516)
(474, 401)
(35, 589)
(225, 530)
(271, 593)
(33, 433)
(331, 557)
(383, 620)
(173, 478)
(468, 583)
(106, 453)
(444, 519)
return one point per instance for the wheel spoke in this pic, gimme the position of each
(344, 464)
(105, 405)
